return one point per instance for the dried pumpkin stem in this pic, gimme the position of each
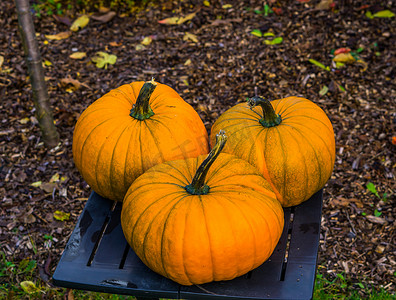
(142, 110)
(198, 186)
(270, 118)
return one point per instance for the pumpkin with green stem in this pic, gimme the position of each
(290, 141)
(202, 219)
(131, 129)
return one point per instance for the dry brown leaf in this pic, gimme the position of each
(59, 36)
(177, 20)
(378, 220)
(341, 201)
(104, 18)
(74, 82)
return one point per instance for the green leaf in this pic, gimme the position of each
(257, 32)
(377, 213)
(342, 89)
(369, 15)
(361, 285)
(268, 34)
(324, 90)
(371, 187)
(384, 14)
(102, 59)
(318, 64)
(29, 287)
(61, 216)
(275, 41)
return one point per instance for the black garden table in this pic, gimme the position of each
(98, 258)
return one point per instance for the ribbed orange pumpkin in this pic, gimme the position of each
(291, 141)
(131, 129)
(215, 225)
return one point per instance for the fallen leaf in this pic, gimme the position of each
(324, 90)
(115, 44)
(61, 216)
(345, 58)
(79, 23)
(257, 32)
(1, 60)
(78, 55)
(74, 82)
(102, 59)
(318, 64)
(342, 50)
(104, 18)
(188, 62)
(377, 220)
(54, 178)
(139, 47)
(48, 187)
(384, 14)
(47, 63)
(206, 3)
(190, 37)
(29, 287)
(177, 20)
(324, 5)
(60, 36)
(24, 120)
(275, 41)
(146, 41)
(226, 6)
(64, 20)
(36, 184)
(341, 201)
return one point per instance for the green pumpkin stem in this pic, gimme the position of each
(270, 118)
(198, 186)
(142, 110)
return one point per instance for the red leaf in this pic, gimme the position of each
(342, 50)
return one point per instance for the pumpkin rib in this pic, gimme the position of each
(315, 133)
(215, 171)
(111, 177)
(229, 220)
(184, 239)
(163, 232)
(288, 108)
(307, 178)
(148, 207)
(132, 137)
(182, 183)
(242, 130)
(319, 182)
(208, 234)
(153, 221)
(283, 160)
(155, 140)
(180, 172)
(100, 188)
(232, 111)
(311, 119)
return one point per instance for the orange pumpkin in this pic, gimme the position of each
(290, 141)
(215, 225)
(131, 129)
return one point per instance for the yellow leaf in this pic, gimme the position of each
(47, 63)
(46, 42)
(59, 36)
(29, 287)
(188, 62)
(36, 184)
(54, 178)
(24, 120)
(345, 58)
(206, 3)
(1, 60)
(225, 6)
(146, 41)
(61, 216)
(79, 23)
(78, 55)
(189, 36)
(177, 20)
(139, 47)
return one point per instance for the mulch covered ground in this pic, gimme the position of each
(219, 64)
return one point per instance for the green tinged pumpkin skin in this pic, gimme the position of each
(296, 156)
(111, 148)
(195, 239)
